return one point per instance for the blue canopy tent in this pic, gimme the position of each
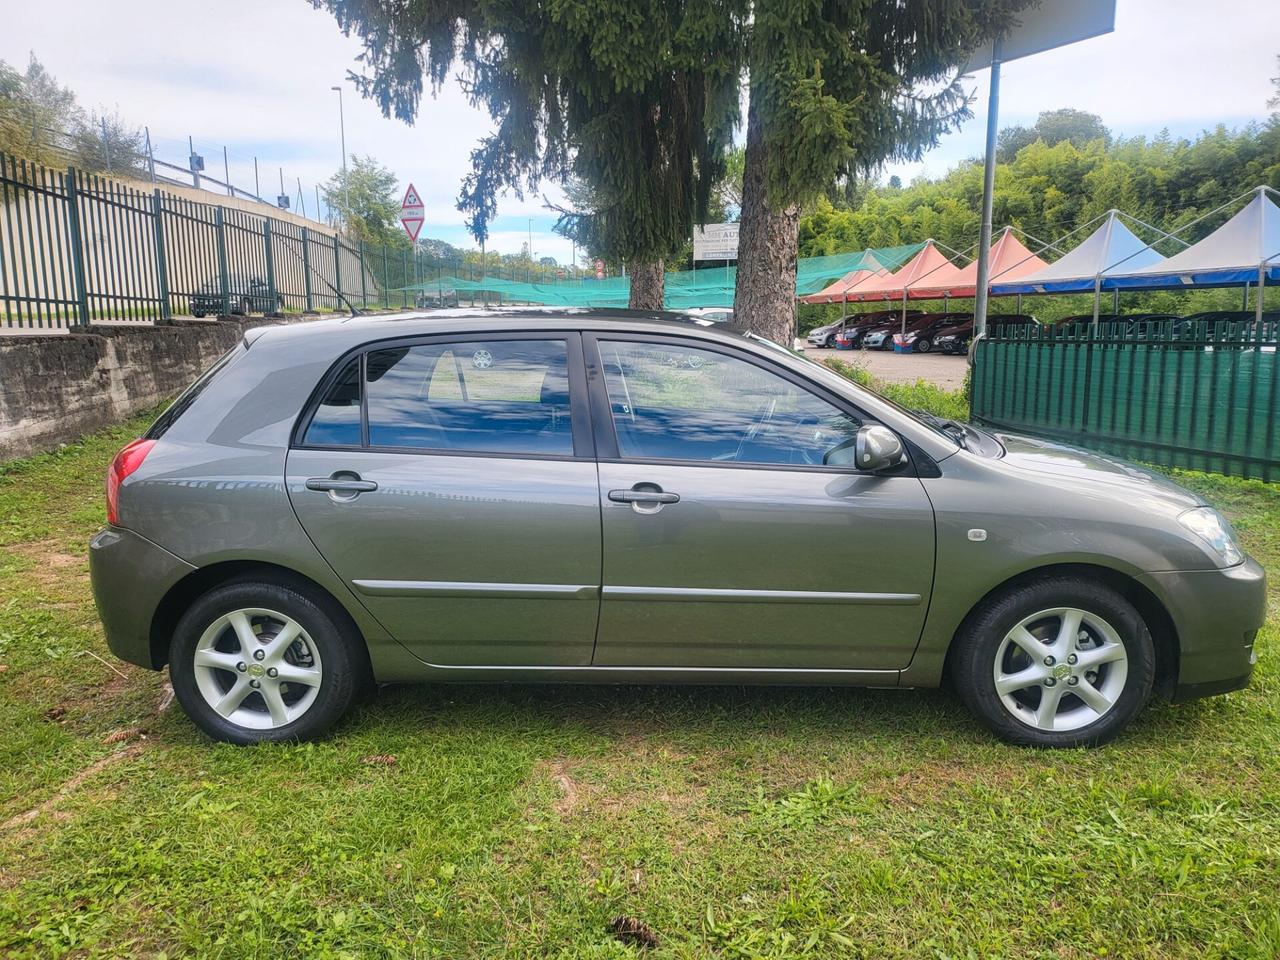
(1244, 251)
(1111, 249)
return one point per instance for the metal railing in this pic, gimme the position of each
(78, 248)
(1176, 393)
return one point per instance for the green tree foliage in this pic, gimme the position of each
(37, 114)
(837, 89)
(108, 142)
(1053, 127)
(636, 98)
(1050, 190)
(41, 121)
(366, 199)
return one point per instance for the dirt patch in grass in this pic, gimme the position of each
(71, 786)
(50, 564)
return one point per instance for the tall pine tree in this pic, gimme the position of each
(836, 90)
(638, 99)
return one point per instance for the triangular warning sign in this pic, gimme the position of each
(411, 226)
(411, 198)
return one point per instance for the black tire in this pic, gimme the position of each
(343, 678)
(924, 345)
(829, 341)
(973, 659)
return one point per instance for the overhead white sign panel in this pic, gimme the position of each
(1055, 23)
(716, 241)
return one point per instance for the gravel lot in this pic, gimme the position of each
(936, 368)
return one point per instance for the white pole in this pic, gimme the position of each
(988, 189)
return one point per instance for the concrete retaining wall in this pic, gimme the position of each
(56, 389)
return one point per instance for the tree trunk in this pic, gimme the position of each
(764, 302)
(647, 286)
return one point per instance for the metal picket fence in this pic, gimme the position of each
(1175, 393)
(77, 248)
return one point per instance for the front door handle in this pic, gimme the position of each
(644, 497)
(343, 485)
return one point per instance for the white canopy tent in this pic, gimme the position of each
(1244, 251)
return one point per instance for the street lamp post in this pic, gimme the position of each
(342, 131)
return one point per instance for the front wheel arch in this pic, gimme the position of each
(199, 582)
(1164, 635)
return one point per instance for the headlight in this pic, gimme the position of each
(1211, 527)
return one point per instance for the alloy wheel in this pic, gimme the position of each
(1060, 669)
(257, 668)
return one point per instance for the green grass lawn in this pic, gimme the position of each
(521, 821)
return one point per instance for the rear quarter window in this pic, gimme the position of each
(189, 396)
(336, 421)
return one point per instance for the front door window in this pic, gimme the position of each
(675, 402)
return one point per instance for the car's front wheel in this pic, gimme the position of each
(924, 345)
(253, 662)
(1058, 662)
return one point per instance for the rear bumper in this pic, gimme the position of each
(130, 576)
(1217, 614)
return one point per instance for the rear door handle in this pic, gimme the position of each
(643, 496)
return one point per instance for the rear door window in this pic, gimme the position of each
(485, 396)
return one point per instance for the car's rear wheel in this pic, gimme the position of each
(1059, 662)
(253, 662)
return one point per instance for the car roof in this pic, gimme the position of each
(343, 332)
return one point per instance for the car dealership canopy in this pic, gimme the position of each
(1111, 248)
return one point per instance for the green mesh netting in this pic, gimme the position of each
(684, 289)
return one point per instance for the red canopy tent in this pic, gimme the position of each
(1009, 258)
(891, 286)
(835, 292)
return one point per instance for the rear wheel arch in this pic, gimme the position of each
(1164, 635)
(199, 582)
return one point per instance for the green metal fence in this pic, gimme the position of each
(76, 248)
(1180, 394)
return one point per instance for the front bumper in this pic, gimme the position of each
(1217, 615)
(130, 575)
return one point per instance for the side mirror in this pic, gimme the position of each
(878, 448)
(874, 448)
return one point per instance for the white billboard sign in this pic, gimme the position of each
(716, 241)
(1055, 23)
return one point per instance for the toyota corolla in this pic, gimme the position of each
(622, 498)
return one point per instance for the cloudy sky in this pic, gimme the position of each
(255, 76)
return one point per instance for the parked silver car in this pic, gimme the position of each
(613, 497)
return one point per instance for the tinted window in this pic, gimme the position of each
(489, 396)
(681, 403)
(337, 420)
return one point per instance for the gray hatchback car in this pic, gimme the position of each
(603, 496)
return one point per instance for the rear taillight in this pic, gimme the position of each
(127, 460)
